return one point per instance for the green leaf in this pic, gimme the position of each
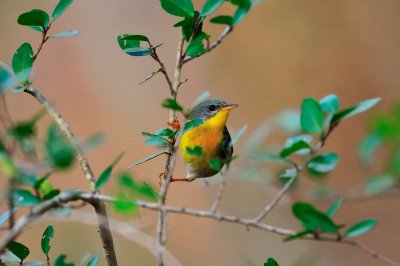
(313, 219)
(124, 206)
(196, 151)
(65, 34)
(155, 140)
(44, 188)
(124, 42)
(312, 116)
(323, 163)
(360, 228)
(145, 159)
(172, 104)
(164, 132)
(334, 207)
(19, 250)
(125, 180)
(61, 8)
(287, 175)
(210, 6)
(35, 17)
(227, 20)
(60, 261)
(24, 198)
(151, 75)
(59, 150)
(22, 62)
(6, 215)
(7, 165)
(180, 8)
(196, 47)
(298, 235)
(297, 146)
(241, 12)
(48, 234)
(51, 194)
(23, 130)
(192, 124)
(93, 261)
(186, 22)
(368, 147)
(138, 51)
(330, 103)
(355, 109)
(379, 183)
(104, 177)
(131, 37)
(271, 262)
(7, 79)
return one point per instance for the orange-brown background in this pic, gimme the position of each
(282, 52)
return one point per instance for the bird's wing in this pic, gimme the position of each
(227, 148)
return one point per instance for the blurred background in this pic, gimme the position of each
(281, 53)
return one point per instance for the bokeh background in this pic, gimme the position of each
(281, 53)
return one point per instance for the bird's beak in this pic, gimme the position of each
(229, 106)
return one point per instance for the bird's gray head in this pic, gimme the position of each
(209, 108)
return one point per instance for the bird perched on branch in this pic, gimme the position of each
(206, 147)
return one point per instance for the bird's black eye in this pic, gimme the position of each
(212, 107)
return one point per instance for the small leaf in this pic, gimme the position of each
(35, 17)
(19, 250)
(155, 140)
(227, 20)
(298, 235)
(124, 41)
(192, 124)
(330, 103)
(7, 79)
(313, 219)
(368, 147)
(104, 177)
(334, 207)
(65, 34)
(297, 146)
(48, 234)
(360, 228)
(151, 75)
(22, 62)
(196, 151)
(323, 163)
(172, 104)
(164, 132)
(241, 12)
(306, 138)
(210, 6)
(51, 194)
(271, 262)
(24, 198)
(353, 110)
(59, 150)
(93, 261)
(311, 116)
(180, 8)
(138, 51)
(124, 206)
(6, 215)
(196, 47)
(146, 159)
(60, 261)
(61, 7)
(379, 183)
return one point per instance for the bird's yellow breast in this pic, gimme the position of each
(208, 136)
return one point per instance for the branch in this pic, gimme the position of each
(99, 207)
(218, 198)
(225, 33)
(163, 70)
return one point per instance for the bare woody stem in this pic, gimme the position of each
(169, 162)
(66, 197)
(99, 207)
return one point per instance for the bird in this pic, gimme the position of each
(211, 140)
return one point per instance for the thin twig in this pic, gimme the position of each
(99, 207)
(218, 198)
(163, 69)
(225, 33)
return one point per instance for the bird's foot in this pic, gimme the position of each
(174, 124)
(162, 179)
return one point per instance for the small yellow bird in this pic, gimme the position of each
(210, 140)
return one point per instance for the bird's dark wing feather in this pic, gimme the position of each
(227, 148)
